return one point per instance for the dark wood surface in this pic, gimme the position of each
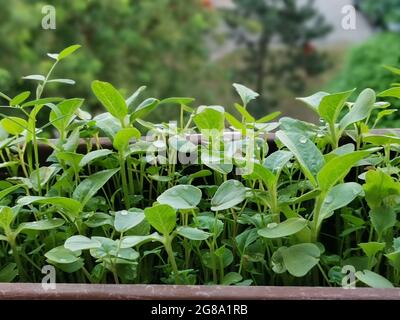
(171, 292)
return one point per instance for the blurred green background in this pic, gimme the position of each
(198, 48)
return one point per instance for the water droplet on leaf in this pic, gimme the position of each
(303, 140)
(328, 200)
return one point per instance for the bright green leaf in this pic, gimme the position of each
(91, 185)
(162, 217)
(111, 99)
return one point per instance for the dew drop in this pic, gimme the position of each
(272, 225)
(328, 199)
(303, 140)
(63, 260)
(124, 213)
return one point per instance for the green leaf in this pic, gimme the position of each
(14, 125)
(263, 174)
(245, 93)
(125, 220)
(42, 101)
(307, 154)
(72, 159)
(383, 114)
(45, 174)
(94, 155)
(314, 101)
(392, 92)
(133, 241)
(8, 272)
(5, 192)
(331, 105)
(269, 117)
(244, 113)
(122, 138)
(234, 122)
(229, 194)
(36, 77)
(17, 100)
(67, 51)
(91, 185)
(111, 99)
(372, 248)
(246, 238)
(6, 217)
(61, 115)
(144, 109)
(336, 169)
(199, 174)
(362, 108)
(70, 206)
(300, 258)
(177, 100)
(161, 217)
(382, 218)
(65, 81)
(134, 97)
(381, 139)
(276, 161)
(4, 96)
(392, 69)
(283, 229)
(231, 278)
(193, 233)
(209, 119)
(373, 280)
(79, 242)
(40, 225)
(181, 197)
(378, 187)
(99, 219)
(61, 255)
(108, 124)
(338, 197)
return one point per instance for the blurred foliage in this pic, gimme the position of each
(293, 26)
(160, 44)
(382, 13)
(363, 68)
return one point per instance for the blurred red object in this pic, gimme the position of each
(207, 4)
(308, 48)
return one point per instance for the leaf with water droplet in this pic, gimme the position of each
(181, 197)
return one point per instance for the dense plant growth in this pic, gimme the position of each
(163, 205)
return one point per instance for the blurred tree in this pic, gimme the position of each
(289, 28)
(130, 43)
(383, 13)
